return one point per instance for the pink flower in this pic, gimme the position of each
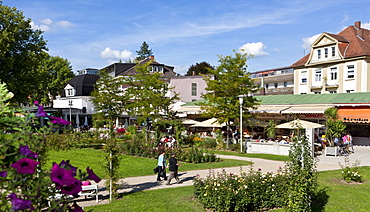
(25, 165)
(25, 150)
(62, 177)
(92, 175)
(19, 204)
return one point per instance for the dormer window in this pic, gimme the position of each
(319, 54)
(333, 51)
(157, 69)
(70, 92)
(326, 52)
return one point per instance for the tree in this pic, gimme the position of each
(144, 52)
(21, 52)
(271, 129)
(231, 80)
(55, 73)
(199, 68)
(109, 99)
(148, 94)
(334, 127)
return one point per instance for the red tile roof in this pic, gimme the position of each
(352, 42)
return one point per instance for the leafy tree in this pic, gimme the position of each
(231, 80)
(55, 73)
(334, 127)
(144, 52)
(199, 68)
(108, 99)
(21, 52)
(147, 92)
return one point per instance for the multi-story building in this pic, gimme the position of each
(274, 81)
(336, 63)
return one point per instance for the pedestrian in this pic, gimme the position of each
(173, 167)
(161, 167)
(350, 142)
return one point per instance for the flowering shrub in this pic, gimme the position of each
(350, 172)
(251, 191)
(24, 184)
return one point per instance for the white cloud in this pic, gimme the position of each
(256, 49)
(48, 24)
(65, 24)
(47, 21)
(124, 55)
(42, 27)
(365, 25)
(308, 41)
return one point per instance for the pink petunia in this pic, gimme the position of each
(25, 150)
(19, 204)
(92, 175)
(62, 177)
(25, 166)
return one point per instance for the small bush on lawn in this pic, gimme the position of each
(209, 143)
(251, 191)
(350, 172)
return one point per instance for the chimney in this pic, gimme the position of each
(151, 57)
(357, 25)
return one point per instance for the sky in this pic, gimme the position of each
(181, 33)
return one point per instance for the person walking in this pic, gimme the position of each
(161, 167)
(173, 167)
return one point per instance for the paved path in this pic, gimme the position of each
(133, 184)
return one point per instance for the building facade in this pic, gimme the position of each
(189, 88)
(274, 81)
(336, 63)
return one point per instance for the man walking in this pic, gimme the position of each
(173, 167)
(161, 167)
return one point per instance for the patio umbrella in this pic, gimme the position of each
(189, 121)
(299, 123)
(209, 123)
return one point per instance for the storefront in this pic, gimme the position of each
(357, 120)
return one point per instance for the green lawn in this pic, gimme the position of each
(130, 166)
(252, 155)
(342, 197)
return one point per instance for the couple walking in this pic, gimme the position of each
(173, 167)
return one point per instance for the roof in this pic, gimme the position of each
(353, 41)
(83, 84)
(332, 98)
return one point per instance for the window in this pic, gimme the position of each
(285, 84)
(319, 54)
(318, 76)
(333, 74)
(332, 91)
(304, 77)
(350, 71)
(70, 92)
(333, 51)
(193, 89)
(276, 84)
(326, 52)
(157, 69)
(267, 86)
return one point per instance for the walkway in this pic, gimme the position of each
(133, 184)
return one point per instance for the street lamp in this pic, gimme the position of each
(70, 103)
(241, 98)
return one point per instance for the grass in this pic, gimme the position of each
(252, 155)
(342, 197)
(169, 199)
(137, 166)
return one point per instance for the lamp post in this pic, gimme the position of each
(70, 103)
(241, 121)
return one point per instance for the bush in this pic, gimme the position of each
(209, 143)
(350, 172)
(251, 191)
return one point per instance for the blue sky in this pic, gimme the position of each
(97, 33)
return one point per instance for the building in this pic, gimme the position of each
(274, 81)
(189, 88)
(337, 63)
(126, 69)
(75, 102)
(88, 71)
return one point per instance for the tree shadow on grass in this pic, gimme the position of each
(320, 200)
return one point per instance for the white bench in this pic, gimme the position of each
(90, 190)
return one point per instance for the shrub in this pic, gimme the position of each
(209, 143)
(350, 172)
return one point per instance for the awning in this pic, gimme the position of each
(354, 114)
(306, 109)
(209, 123)
(269, 109)
(299, 123)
